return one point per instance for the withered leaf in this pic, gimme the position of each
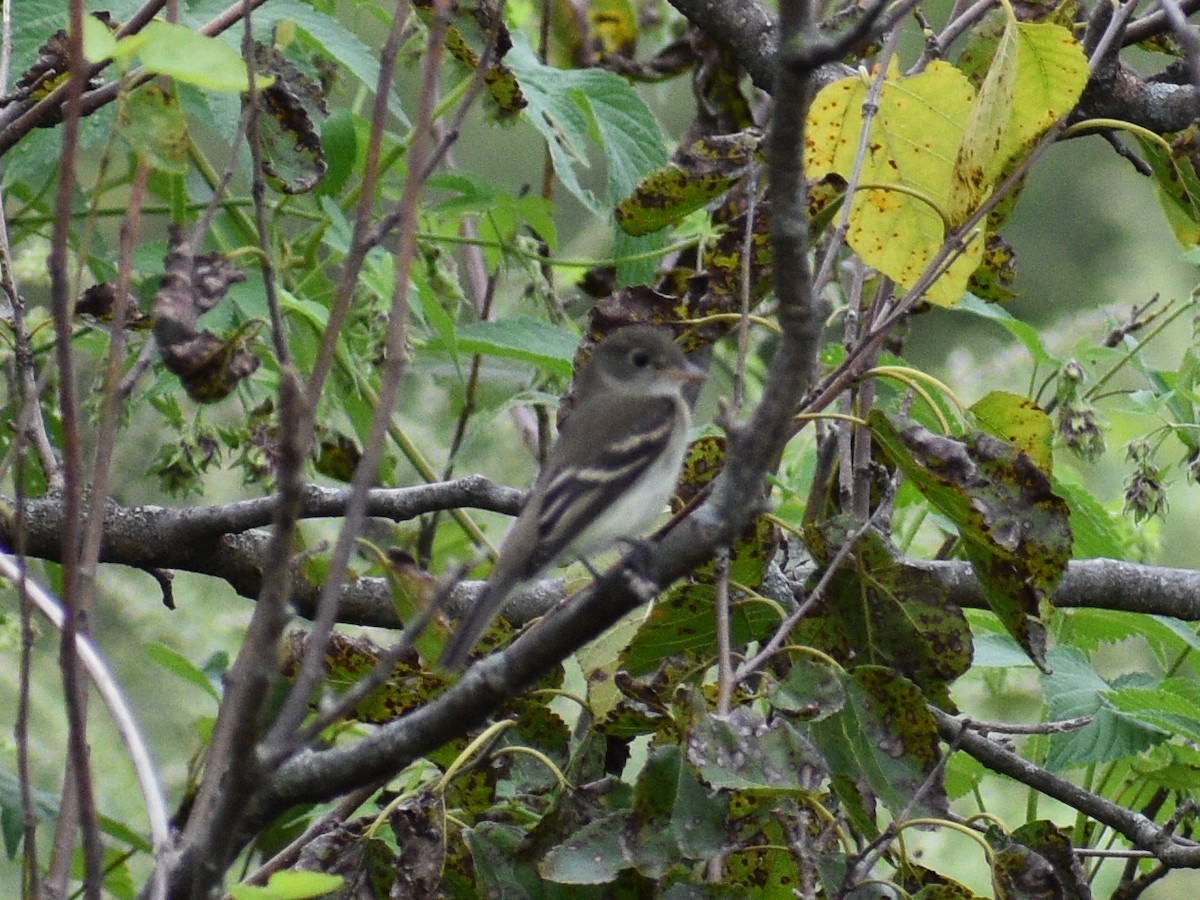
(100, 303)
(50, 70)
(208, 367)
(292, 104)
(694, 178)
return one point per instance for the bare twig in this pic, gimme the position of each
(281, 736)
(118, 708)
(725, 683)
(74, 592)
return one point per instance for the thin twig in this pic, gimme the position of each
(1140, 831)
(281, 737)
(725, 683)
(120, 710)
(870, 109)
(74, 591)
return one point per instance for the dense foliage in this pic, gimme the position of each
(277, 274)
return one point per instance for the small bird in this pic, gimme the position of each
(608, 476)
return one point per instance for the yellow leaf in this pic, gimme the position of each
(1035, 77)
(898, 216)
(981, 156)
(1052, 72)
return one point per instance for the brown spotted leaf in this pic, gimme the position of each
(724, 266)
(291, 107)
(882, 744)
(1015, 530)
(683, 623)
(474, 26)
(347, 659)
(997, 268)
(692, 180)
(1021, 422)
(875, 611)
(933, 885)
(1054, 846)
(367, 864)
(1019, 872)
(208, 367)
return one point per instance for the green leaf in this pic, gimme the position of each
(1172, 706)
(98, 41)
(1177, 182)
(573, 108)
(181, 667)
(335, 39)
(185, 55)
(1029, 336)
(812, 689)
(593, 855)
(12, 828)
(999, 651)
(1074, 689)
(1097, 532)
(1019, 872)
(339, 137)
(743, 752)
(530, 340)
(683, 620)
(152, 123)
(493, 846)
(291, 885)
(673, 817)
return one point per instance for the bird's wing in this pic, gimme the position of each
(571, 497)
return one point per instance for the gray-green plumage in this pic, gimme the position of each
(607, 478)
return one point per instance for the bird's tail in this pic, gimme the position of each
(471, 628)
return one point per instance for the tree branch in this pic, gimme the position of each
(1136, 828)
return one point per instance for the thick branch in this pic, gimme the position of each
(744, 27)
(1117, 92)
(219, 540)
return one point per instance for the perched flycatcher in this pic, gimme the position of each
(608, 476)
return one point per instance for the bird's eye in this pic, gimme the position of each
(640, 358)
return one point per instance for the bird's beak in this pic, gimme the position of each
(688, 373)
